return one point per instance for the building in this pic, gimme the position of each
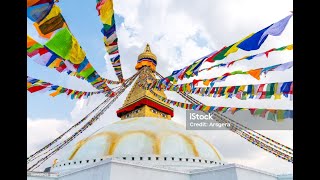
(147, 144)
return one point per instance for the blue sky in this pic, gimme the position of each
(179, 32)
(86, 26)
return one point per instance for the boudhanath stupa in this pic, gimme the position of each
(146, 144)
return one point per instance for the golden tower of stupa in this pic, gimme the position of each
(141, 102)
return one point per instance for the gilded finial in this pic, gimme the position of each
(147, 58)
(147, 53)
(147, 48)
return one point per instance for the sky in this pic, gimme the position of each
(179, 32)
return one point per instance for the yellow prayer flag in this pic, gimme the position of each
(174, 81)
(39, 82)
(52, 65)
(55, 11)
(289, 47)
(277, 96)
(226, 91)
(234, 48)
(207, 108)
(275, 88)
(76, 54)
(241, 88)
(57, 92)
(106, 12)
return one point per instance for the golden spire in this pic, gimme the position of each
(140, 102)
(147, 54)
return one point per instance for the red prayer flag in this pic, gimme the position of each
(231, 63)
(231, 89)
(43, 51)
(220, 108)
(195, 81)
(267, 52)
(252, 110)
(35, 88)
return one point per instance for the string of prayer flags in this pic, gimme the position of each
(106, 13)
(38, 10)
(253, 41)
(266, 53)
(65, 45)
(256, 142)
(36, 85)
(46, 16)
(33, 47)
(187, 71)
(256, 73)
(50, 59)
(191, 72)
(256, 40)
(276, 115)
(242, 92)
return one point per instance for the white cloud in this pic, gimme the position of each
(171, 28)
(42, 131)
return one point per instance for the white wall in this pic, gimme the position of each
(221, 174)
(100, 172)
(123, 171)
(245, 174)
(116, 170)
(40, 178)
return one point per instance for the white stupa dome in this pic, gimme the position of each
(143, 136)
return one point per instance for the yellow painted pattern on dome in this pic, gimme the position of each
(212, 147)
(113, 137)
(188, 140)
(153, 136)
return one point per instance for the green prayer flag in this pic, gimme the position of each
(244, 96)
(220, 55)
(258, 112)
(270, 90)
(271, 116)
(86, 72)
(281, 48)
(34, 47)
(171, 78)
(238, 72)
(223, 91)
(61, 43)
